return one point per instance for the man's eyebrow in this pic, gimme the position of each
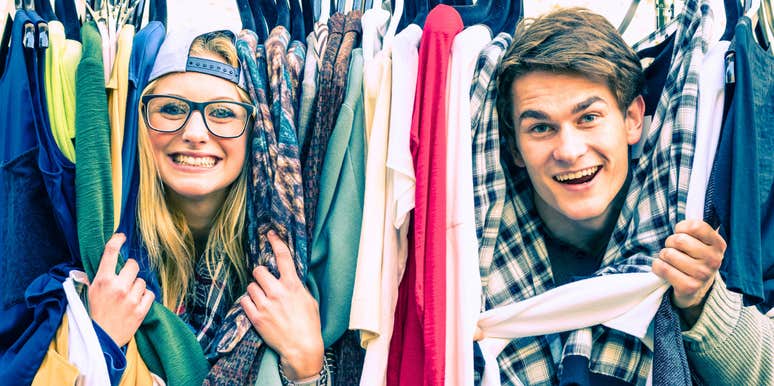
(586, 103)
(534, 114)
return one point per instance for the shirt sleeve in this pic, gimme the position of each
(115, 357)
(731, 344)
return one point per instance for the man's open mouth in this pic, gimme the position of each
(580, 177)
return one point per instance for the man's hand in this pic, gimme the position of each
(118, 303)
(689, 262)
(286, 315)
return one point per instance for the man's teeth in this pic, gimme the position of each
(576, 175)
(202, 162)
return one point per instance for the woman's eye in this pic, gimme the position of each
(174, 109)
(222, 113)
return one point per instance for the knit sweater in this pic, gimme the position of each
(731, 344)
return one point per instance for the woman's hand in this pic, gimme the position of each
(286, 315)
(118, 303)
(689, 261)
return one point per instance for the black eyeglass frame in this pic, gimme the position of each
(195, 106)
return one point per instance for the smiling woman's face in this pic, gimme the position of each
(192, 162)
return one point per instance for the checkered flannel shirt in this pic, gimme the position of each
(520, 267)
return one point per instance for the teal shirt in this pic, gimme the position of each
(336, 238)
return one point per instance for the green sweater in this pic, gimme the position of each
(166, 344)
(731, 344)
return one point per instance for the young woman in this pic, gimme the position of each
(193, 140)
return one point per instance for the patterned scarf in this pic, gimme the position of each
(655, 202)
(275, 202)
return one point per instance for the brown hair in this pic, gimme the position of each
(567, 41)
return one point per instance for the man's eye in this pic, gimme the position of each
(540, 129)
(588, 118)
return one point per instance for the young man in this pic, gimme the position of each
(569, 97)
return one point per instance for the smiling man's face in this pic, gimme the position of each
(573, 140)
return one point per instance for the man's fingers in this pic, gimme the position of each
(285, 264)
(107, 265)
(701, 231)
(686, 264)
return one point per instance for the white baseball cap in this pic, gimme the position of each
(173, 56)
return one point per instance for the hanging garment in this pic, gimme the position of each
(55, 367)
(377, 85)
(658, 186)
(30, 242)
(316, 43)
(374, 25)
(166, 344)
(417, 349)
(25, 207)
(463, 294)
(340, 210)
(332, 86)
(145, 46)
(58, 172)
(488, 176)
(85, 351)
(573, 306)
(62, 59)
(26, 329)
(117, 92)
(739, 195)
(708, 126)
(388, 268)
(277, 206)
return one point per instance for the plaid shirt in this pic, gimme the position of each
(655, 202)
(488, 177)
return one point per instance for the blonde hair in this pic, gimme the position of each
(165, 233)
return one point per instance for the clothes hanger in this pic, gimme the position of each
(766, 21)
(5, 41)
(283, 14)
(628, 17)
(395, 20)
(43, 8)
(308, 12)
(68, 15)
(297, 28)
(269, 11)
(496, 15)
(515, 13)
(158, 11)
(732, 10)
(409, 12)
(246, 14)
(423, 8)
(139, 12)
(325, 11)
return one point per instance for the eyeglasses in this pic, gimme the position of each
(168, 113)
